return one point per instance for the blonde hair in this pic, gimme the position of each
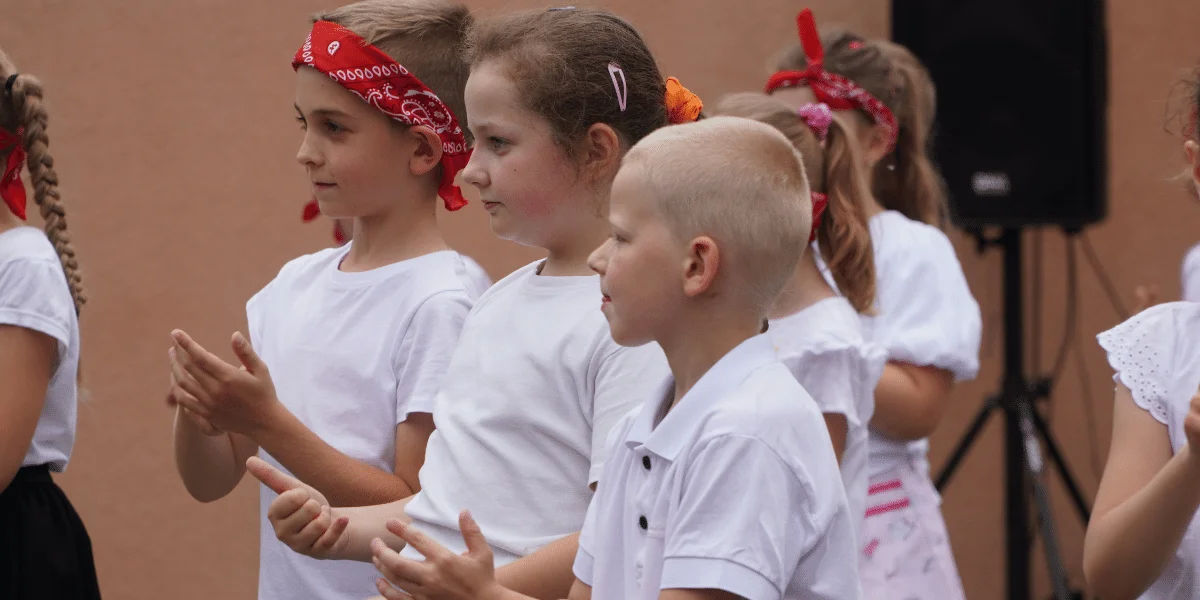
(740, 182)
(907, 182)
(23, 109)
(833, 169)
(428, 37)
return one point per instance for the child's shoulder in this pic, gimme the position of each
(26, 244)
(893, 233)
(769, 404)
(829, 325)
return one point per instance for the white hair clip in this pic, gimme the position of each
(621, 86)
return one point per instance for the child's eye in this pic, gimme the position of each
(302, 122)
(497, 143)
(332, 127)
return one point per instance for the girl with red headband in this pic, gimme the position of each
(926, 318)
(555, 99)
(45, 552)
(817, 332)
(357, 339)
(1143, 540)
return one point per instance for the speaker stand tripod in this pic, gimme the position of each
(1023, 426)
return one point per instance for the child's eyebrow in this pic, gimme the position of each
(325, 112)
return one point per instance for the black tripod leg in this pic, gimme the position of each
(960, 450)
(1018, 540)
(1085, 513)
(1041, 498)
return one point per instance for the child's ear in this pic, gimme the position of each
(601, 152)
(1191, 150)
(700, 266)
(427, 152)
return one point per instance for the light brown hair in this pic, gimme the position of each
(560, 60)
(906, 181)
(844, 235)
(428, 37)
(740, 182)
(25, 109)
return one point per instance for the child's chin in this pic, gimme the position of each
(627, 338)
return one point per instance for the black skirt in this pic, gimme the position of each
(44, 550)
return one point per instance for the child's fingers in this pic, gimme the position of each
(188, 369)
(204, 425)
(287, 504)
(406, 573)
(389, 592)
(316, 528)
(329, 540)
(271, 477)
(201, 360)
(420, 542)
(181, 381)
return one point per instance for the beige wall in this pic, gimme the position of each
(172, 127)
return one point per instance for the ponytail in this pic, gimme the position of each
(844, 235)
(907, 181)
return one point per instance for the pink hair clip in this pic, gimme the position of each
(817, 116)
(855, 45)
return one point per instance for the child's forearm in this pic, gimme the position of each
(1127, 549)
(210, 466)
(366, 524)
(343, 480)
(546, 574)
(910, 400)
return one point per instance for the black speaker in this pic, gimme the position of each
(1022, 89)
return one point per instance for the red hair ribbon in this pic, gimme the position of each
(836, 91)
(819, 203)
(12, 189)
(382, 82)
(682, 105)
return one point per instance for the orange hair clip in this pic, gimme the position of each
(682, 105)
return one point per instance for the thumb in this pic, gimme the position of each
(477, 545)
(245, 353)
(271, 477)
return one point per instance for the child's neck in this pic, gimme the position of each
(701, 340)
(384, 239)
(806, 288)
(569, 256)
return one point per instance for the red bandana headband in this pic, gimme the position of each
(12, 189)
(836, 91)
(385, 84)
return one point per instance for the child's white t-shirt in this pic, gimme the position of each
(1191, 275)
(34, 295)
(351, 355)
(533, 390)
(926, 314)
(1156, 354)
(736, 488)
(823, 347)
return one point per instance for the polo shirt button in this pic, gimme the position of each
(646, 462)
(643, 523)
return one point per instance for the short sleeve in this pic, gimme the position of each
(626, 377)
(722, 538)
(425, 350)
(34, 295)
(927, 315)
(1140, 351)
(830, 377)
(1191, 275)
(585, 556)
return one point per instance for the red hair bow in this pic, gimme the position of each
(836, 91)
(12, 189)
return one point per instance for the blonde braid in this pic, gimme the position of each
(31, 115)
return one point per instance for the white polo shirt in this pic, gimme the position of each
(737, 488)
